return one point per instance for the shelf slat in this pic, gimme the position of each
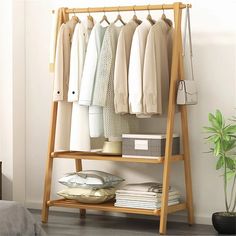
(109, 206)
(94, 156)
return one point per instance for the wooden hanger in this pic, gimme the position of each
(104, 18)
(89, 17)
(75, 18)
(135, 18)
(119, 18)
(164, 18)
(149, 17)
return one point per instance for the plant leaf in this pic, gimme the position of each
(231, 129)
(219, 118)
(220, 163)
(210, 129)
(230, 163)
(230, 175)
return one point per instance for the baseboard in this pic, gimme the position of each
(177, 217)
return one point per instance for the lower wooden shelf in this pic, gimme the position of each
(109, 206)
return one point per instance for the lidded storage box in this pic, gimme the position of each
(147, 145)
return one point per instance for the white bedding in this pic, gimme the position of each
(16, 220)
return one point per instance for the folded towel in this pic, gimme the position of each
(144, 187)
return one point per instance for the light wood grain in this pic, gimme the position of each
(176, 73)
(49, 163)
(78, 167)
(170, 117)
(94, 156)
(186, 149)
(109, 206)
(125, 8)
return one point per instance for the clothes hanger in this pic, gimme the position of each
(75, 18)
(135, 18)
(164, 18)
(89, 17)
(119, 18)
(104, 18)
(149, 17)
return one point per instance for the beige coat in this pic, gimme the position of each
(62, 65)
(58, 18)
(122, 67)
(62, 60)
(156, 72)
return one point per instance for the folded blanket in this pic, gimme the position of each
(144, 194)
(141, 205)
(144, 198)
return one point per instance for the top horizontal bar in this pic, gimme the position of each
(126, 8)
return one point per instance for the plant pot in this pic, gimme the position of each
(224, 223)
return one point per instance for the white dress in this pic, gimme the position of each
(114, 124)
(79, 136)
(88, 78)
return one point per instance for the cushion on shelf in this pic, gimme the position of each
(85, 195)
(90, 178)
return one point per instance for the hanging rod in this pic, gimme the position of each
(125, 8)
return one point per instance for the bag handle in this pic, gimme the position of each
(187, 27)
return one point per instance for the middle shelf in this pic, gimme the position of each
(95, 156)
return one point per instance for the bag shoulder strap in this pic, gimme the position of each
(187, 27)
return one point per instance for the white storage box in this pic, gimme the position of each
(147, 145)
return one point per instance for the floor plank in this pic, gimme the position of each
(69, 224)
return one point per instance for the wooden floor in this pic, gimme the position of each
(69, 224)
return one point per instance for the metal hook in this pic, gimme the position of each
(134, 10)
(163, 11)
(148, 7)
(88, 11)
(74, 11)
(118, 9)
(104, 11)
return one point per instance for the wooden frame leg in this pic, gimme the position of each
(170, 118)
(78, 165)
(187, 166)
(49, 166)
(185, 138)
(47, 190)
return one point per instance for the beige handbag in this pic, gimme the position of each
(187, 89)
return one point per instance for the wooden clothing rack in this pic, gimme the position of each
(177, 73)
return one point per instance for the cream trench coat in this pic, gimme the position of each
(79, 137)
(62, 66)
(88, 79)
(156, 72)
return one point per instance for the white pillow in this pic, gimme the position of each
(85, 195)
(90, 178)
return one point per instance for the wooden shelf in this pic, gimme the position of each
(95, 156)
(109, 206)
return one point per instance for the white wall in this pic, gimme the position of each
(6, 139)
(214, 42)
(12, 99)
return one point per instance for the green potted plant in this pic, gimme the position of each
(222, 137)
